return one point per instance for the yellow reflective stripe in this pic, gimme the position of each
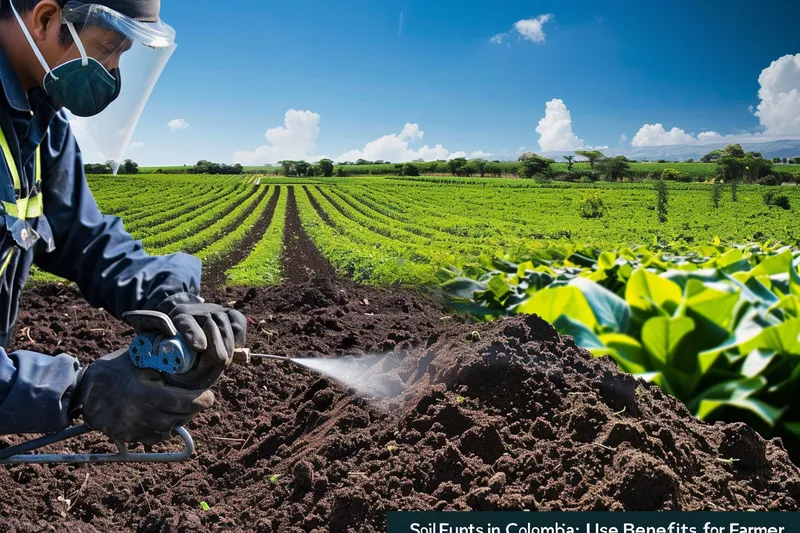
(28, 207)
(35, 207)
(9, 157)
(7, 261)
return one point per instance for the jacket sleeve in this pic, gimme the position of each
(36, 391)
(93, 250)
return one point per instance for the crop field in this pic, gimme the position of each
(525, 346)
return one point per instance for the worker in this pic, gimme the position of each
(58, 55)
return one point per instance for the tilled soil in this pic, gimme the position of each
(506, 415)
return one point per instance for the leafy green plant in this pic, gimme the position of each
(662, 200)
(772, 199)
(274, 478)
(204, 506)
(714, 326)
(716, 193)
(592, 207)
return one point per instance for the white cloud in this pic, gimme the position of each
(750, 108)
(177, 124)
(395, 148)
(411, 132)
(779, 110)
(623, 138)
(498, 39)
(555, 129)
(136, 145)
(603, 147)
(656, 135)
(531, 29)
(295, 140)
(479, 154)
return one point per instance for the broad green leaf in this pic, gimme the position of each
(463, 288)
(626, 351)
(504, 266)
(764, 411)
(788, 307)
(645, 289)
(716, 306)
(499, 286)
(794, 278)
(606, 260)
(584, 337)
(756, 362)
(717, 241)
(777, 264)
(794, 427)
(735, 389)
(662, 335)
(611, 311)
(782, 338)
(551, 303)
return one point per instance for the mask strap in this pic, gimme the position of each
(35, 48)
(78, 43)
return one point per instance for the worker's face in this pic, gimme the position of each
(104, 45)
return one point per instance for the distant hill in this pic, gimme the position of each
(680, 152)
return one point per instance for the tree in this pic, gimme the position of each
(129, 167)
(456, 166)
(288, 168)
(570, 159)
(302, 168)
(96, 168)
(785, 160)
(776, 160)
(532, 164)
(480, 166)
(756, 167)
(734, 150)
(711, 156)
(410, 169)
(591, 155)
(614, 168)
(325, 168)
(494, 169)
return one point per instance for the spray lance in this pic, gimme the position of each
(158, 346)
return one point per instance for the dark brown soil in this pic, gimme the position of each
(506, 415)
(301, 260)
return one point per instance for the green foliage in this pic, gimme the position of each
(532, 165)
(714, 326)
(570, 162)
(325, 168)
(96, 168)
(592, 155)
(773, 199)
(592, 206)
(662, 200)
(716, 193)
(734, 150)
(614, 168)
(129, 167)
(712, 156)
(207, 167)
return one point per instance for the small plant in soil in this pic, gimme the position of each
(274, 478)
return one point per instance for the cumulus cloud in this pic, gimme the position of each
(531, 29)
(555, 128)
(295, 140)
(411, 132)
(395, 148)
(779, 110)
(623, 138)
(656, 135)
(177, 124)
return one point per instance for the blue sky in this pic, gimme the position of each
(363, 75)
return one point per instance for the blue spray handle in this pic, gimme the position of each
(170, 355)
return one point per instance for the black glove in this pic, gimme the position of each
(210, 330)
(131, 404)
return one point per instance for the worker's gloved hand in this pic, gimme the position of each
(210, 330)
(131, 404)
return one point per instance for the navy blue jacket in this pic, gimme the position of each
(74, 240)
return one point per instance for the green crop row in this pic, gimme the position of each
(235, 234)
(263, 266)
(174, 232)
(200, 238)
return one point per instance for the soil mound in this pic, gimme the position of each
(506, 415)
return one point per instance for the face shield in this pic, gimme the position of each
(108, 74)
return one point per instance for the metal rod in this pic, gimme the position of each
(122, 457)
(43, 441)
